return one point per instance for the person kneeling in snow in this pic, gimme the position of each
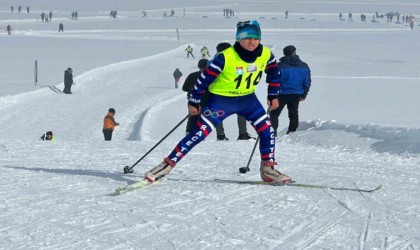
(47, 136)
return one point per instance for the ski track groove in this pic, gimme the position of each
(218, 196)
(388, 218)
(223, 197)
(284, 238)
(319, 232)
(338, 200)
(364, 234)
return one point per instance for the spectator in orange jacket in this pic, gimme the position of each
(109, 124)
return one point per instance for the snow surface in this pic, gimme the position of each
(359, 128)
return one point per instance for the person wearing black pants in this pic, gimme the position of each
(188, 86)
(109, 124)
(292, 102)
(107, 134)
(68, 80)
(295, 81)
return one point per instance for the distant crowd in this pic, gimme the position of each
(389, 18)
(228, 12)
(19, 9)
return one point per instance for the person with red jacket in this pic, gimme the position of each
(109, 124)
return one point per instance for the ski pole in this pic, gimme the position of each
(128, 169)
(246, 169)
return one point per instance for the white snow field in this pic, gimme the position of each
(360, 127)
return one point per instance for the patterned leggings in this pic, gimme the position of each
(216, 110)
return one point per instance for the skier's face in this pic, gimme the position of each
(249, 44)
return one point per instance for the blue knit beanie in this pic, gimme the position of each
(248, 29)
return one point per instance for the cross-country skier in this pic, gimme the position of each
(232, 78)
(189, 50)
(205, 52)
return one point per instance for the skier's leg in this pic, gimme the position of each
(253, 111)
(212, 115)
(256, 114)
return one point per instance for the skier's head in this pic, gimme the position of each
(111, 110)
(222, 46)
(289, 50)
(202, 63)
(248, 29)
(69, 69)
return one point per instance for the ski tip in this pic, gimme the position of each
(372, 190)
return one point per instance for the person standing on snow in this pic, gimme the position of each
(231, 79)
(9, 29)
(68, 80)
(295, 78)
(109, 124)
(412, 23)
(60, 27)
(189, 50)
(177, 75)
(188, 86)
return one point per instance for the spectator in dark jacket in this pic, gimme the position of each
(295, 81)
(68, 80)
(188, 86)
(177, 75)
(189, 83)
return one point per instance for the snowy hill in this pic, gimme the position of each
(359, 128)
